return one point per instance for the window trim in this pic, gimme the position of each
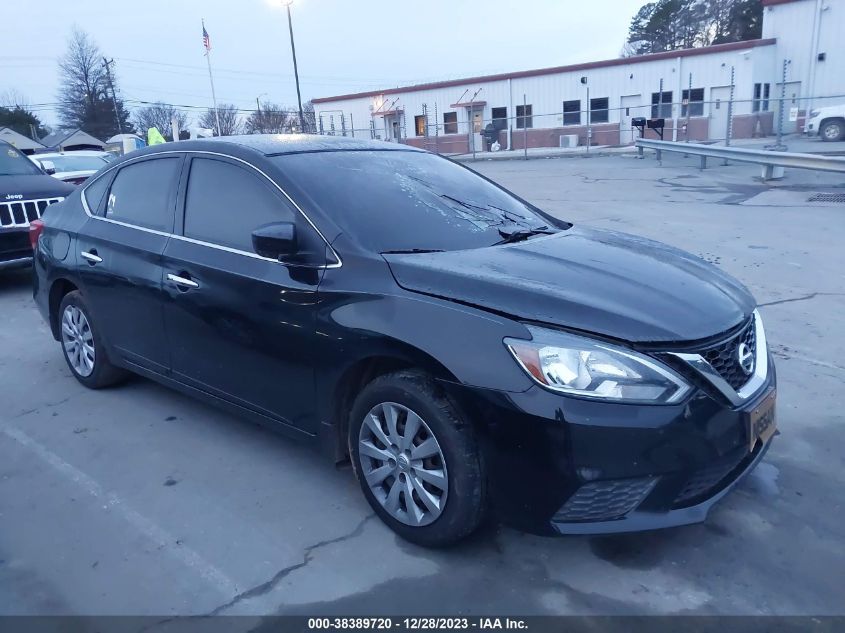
(451, 125)
(187, 153)
(571, 113)
(657, 106)
(104, 203)
(527, 119)
(686, 110)
(604, 117)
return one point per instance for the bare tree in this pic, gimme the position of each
(269, 119)
(12, 98)
(159, 115)
(230, 122)
(84, 98)
(310, 117)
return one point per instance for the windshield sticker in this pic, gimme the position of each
(12, 153)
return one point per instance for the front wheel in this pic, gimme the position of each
(417, 459)
(833, 131)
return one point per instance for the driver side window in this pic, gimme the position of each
(225, 203)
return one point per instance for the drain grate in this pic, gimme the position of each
(827, 197)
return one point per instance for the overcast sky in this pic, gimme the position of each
(342, 45)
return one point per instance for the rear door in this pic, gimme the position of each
(120, 254)
(240, 326)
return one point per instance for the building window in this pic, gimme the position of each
(500, 118)
(661, 105)
(761, 98)
(599, 110)
(572, 112)
(693, 102)
(419, 124)
(524, 117)
(450, 122)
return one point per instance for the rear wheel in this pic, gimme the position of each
(833, 130)
(82, 344)
(417, 460)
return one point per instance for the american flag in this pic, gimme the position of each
(206, 40)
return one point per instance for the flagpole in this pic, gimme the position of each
(211, 79)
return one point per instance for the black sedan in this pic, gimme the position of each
(466, 351)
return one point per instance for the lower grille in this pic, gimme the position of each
(20, 214)
(605, 500)
(724, 357)
(708, 479)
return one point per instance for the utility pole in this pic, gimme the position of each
(295, 68)
(107, 63)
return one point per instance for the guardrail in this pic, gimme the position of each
(771, 162)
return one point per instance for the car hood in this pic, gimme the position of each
(608, 283)
(35, 186)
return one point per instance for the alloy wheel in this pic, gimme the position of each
(78, 340)
(833, 131)
(403, 464)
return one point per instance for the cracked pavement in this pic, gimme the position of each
(138, 500)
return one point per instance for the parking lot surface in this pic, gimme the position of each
(139, 500)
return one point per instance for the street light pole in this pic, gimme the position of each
(295, 69)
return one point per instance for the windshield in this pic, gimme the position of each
(75, 163)
(408, 201)
(13, 163)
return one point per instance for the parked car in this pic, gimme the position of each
(72, 167)
(827, 123)
(465, 350)
(25, 191)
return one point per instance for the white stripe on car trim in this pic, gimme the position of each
(237, 251)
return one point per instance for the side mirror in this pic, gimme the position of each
(49, 167)
(275, 240)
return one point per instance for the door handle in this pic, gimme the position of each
(91, 256)
(182, 281)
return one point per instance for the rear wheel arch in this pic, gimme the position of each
(58, 289)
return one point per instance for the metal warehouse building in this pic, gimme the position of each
(734, 90)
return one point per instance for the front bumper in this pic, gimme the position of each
(15, 250)
(561, 465)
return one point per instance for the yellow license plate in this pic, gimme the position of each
(761, 421)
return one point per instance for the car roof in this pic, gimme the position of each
(276, 144)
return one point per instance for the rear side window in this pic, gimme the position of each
(95, 191)
(225, 203)
(142, 194)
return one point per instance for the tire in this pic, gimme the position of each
(78, 331)
(833, 130)
(455, 509)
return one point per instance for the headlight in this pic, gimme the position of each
(590, 368)
(814, 114)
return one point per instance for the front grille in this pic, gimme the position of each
(605, 500)
(710, 479)
(725, 359)
(20, 213)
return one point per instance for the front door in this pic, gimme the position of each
(240, 326)
(119, 258)
(392, 129)
(631, 108)
(719, 98)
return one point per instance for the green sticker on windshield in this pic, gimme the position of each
(12, 153)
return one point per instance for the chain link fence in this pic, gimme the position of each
(717, 120)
